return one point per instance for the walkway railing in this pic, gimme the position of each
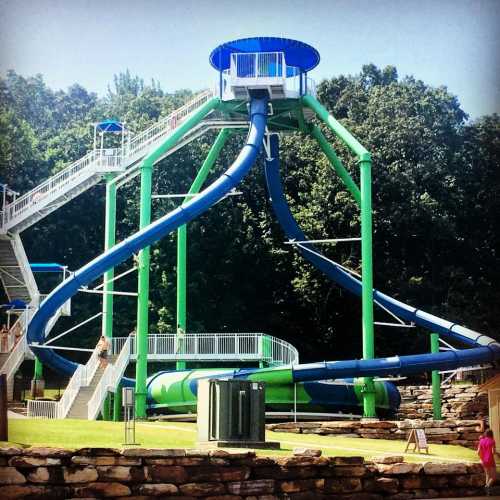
(82, 377)
(99, 160)
(215, 347)
(110, 380)
(95, 162)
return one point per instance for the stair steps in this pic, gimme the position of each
(79, 408)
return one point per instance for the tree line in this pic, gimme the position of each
(436, 200)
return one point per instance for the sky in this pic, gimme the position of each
(442, 42)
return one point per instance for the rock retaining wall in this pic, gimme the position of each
(45, 473)
(458, 401)
(461, 432)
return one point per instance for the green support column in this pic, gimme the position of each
(107, 301)
(336, 163)
(38, 383)
(182, 240)
(366, 240)
(117, 404)
(141, 369)
(146, 169)
(367, 280)
(436, 381)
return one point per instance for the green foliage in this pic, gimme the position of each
(436, 193)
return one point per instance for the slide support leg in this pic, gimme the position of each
(141, 371)
(182, 242)
(436, 381)
(117, 404)
(38, 383)
(107, 300)
(367, 283)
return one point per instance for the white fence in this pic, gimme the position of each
(214, 347)
(82, 377)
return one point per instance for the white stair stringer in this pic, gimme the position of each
(84, 173)
(15, 271)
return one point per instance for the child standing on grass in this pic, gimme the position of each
(486, 452)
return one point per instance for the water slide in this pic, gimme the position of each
(484, 349)
(147, 236)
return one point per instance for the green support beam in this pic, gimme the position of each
(367, 281)
(336, 163)
(436, 381)
(38, 372)
(146, 170)
(108, 287)
(182, 240)
(365, 163)
(117, 404)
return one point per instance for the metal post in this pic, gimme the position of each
(108, 284)
(367, 283)
(182, 241)
(143, 294)
(146, 170)
(37, 384)
(117, 404)
(436, 381)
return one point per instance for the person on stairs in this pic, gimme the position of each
(103, 347)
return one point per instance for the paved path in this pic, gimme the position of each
(13, 414)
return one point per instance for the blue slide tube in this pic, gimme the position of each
(147, 236)
(485, 348)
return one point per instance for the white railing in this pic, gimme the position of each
(95, 161)
(82, 377)
(110, 380)
(42, 409)
(15, 358)
(258, 65)
(101, 391)
(214, 347)
(166, 124)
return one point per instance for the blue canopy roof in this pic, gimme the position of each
(110, 126)
(50, 267)
(297, 53)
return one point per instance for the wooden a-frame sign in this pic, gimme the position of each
(418, 439)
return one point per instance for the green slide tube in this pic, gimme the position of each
(336, 163)
(144, 255)
(182, 240)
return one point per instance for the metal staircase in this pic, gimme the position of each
(26, 210)
(79, 408)
(15, 273)
(20, 212)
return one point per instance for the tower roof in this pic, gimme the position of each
(298, 54)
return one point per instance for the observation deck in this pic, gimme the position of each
(278, 65)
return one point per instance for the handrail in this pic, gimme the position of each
(99, 160)
(42, 409)
(100, 393)
(215, 347)
(110, 380)
(70, 393)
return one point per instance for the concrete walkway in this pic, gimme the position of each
(13, 414)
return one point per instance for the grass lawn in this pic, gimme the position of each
(49, 394)
(83, 433)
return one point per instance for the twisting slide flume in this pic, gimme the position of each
(149, 235)
(486, 349)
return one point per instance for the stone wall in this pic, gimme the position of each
(461, 432)
(458, 401)
(44, 473)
